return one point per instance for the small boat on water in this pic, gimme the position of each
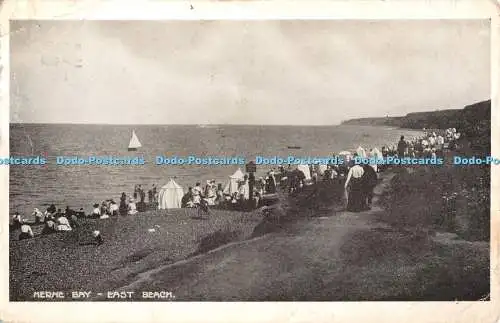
(294, 147)
(134, 143)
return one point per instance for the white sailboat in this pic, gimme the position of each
(134, 143)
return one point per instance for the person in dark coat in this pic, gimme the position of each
(52, 209)
(81, 213)
(402, 146)
(356, 201)
(123, 204)
(188, 197)
(203, 207)
(369, 181)
(150, 196)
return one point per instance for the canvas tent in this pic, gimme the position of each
(361, 152)
(232, 184)
(346, 156)
(170, 196)
(305, 169)
(375, 154)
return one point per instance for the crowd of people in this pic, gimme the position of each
(57, 220)
(362, 179)
(359, 182)
(213, 194)
(54, 220)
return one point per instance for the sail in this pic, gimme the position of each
(134, 142)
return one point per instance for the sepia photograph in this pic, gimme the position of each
(272, 160)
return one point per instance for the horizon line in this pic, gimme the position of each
(250, 124)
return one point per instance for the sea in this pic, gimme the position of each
(81, 186)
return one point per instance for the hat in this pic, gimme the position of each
(96, 205)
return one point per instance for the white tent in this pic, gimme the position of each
(170, 196)
(305, 169)
(361, 152)
(375, 154)
(346, 156)
(232, 185)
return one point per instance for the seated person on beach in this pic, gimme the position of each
(38, 216)
(26, 232)
(187, 199)
(104, 210)
(73, 220)
(197, 194)
(80, 213)
(113, 208)
(97, 237)
(63, 224)
(49, 215)
(17, 220)
(69, 212)
(132, 208)
(59, 213)
(96, 212)
(50, 227)
(203, 206)
(52, 209)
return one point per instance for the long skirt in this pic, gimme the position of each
(357, 198)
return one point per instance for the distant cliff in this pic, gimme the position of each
(474, 121)
(456, 118)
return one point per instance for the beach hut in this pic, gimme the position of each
(305, 169)
(232, 184)
(170, 196)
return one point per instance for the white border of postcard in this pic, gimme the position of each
(275, 312)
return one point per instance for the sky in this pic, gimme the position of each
(290, 72)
